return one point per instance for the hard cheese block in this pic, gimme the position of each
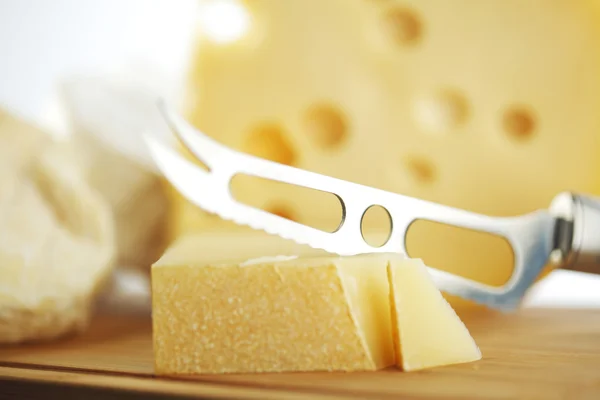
(414, 97)
(271, 316)
(282, 313)
(427, 331)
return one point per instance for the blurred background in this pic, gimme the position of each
(489, 106)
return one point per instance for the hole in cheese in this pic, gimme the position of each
(442, 111)
(326, 125)
(283, 211)
(376, 226)
(464, 252)
(519, 123)
(269, 141)
(421, 169)
(259, 193)
(403, 26)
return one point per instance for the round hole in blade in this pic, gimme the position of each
(376, 226)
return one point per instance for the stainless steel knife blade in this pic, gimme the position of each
(531, 236)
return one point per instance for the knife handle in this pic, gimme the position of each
(577, 233)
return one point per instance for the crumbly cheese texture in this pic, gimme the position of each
(56, 237)
(387, 94)
(427, 331)
(310, 313)
(283, 312)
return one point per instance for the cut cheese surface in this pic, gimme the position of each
(221, 247)
(288, 314)
(427, 331)
(436, 100)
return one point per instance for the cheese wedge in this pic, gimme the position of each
(427, 331)
(314, 312)
(272, 314)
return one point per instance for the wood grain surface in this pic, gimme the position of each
(533, 354)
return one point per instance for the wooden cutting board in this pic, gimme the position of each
(533, 354)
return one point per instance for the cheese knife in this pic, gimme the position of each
(566, 235)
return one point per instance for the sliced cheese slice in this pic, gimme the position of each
(312, 313)
(427, 331)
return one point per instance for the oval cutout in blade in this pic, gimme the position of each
(476, 255)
